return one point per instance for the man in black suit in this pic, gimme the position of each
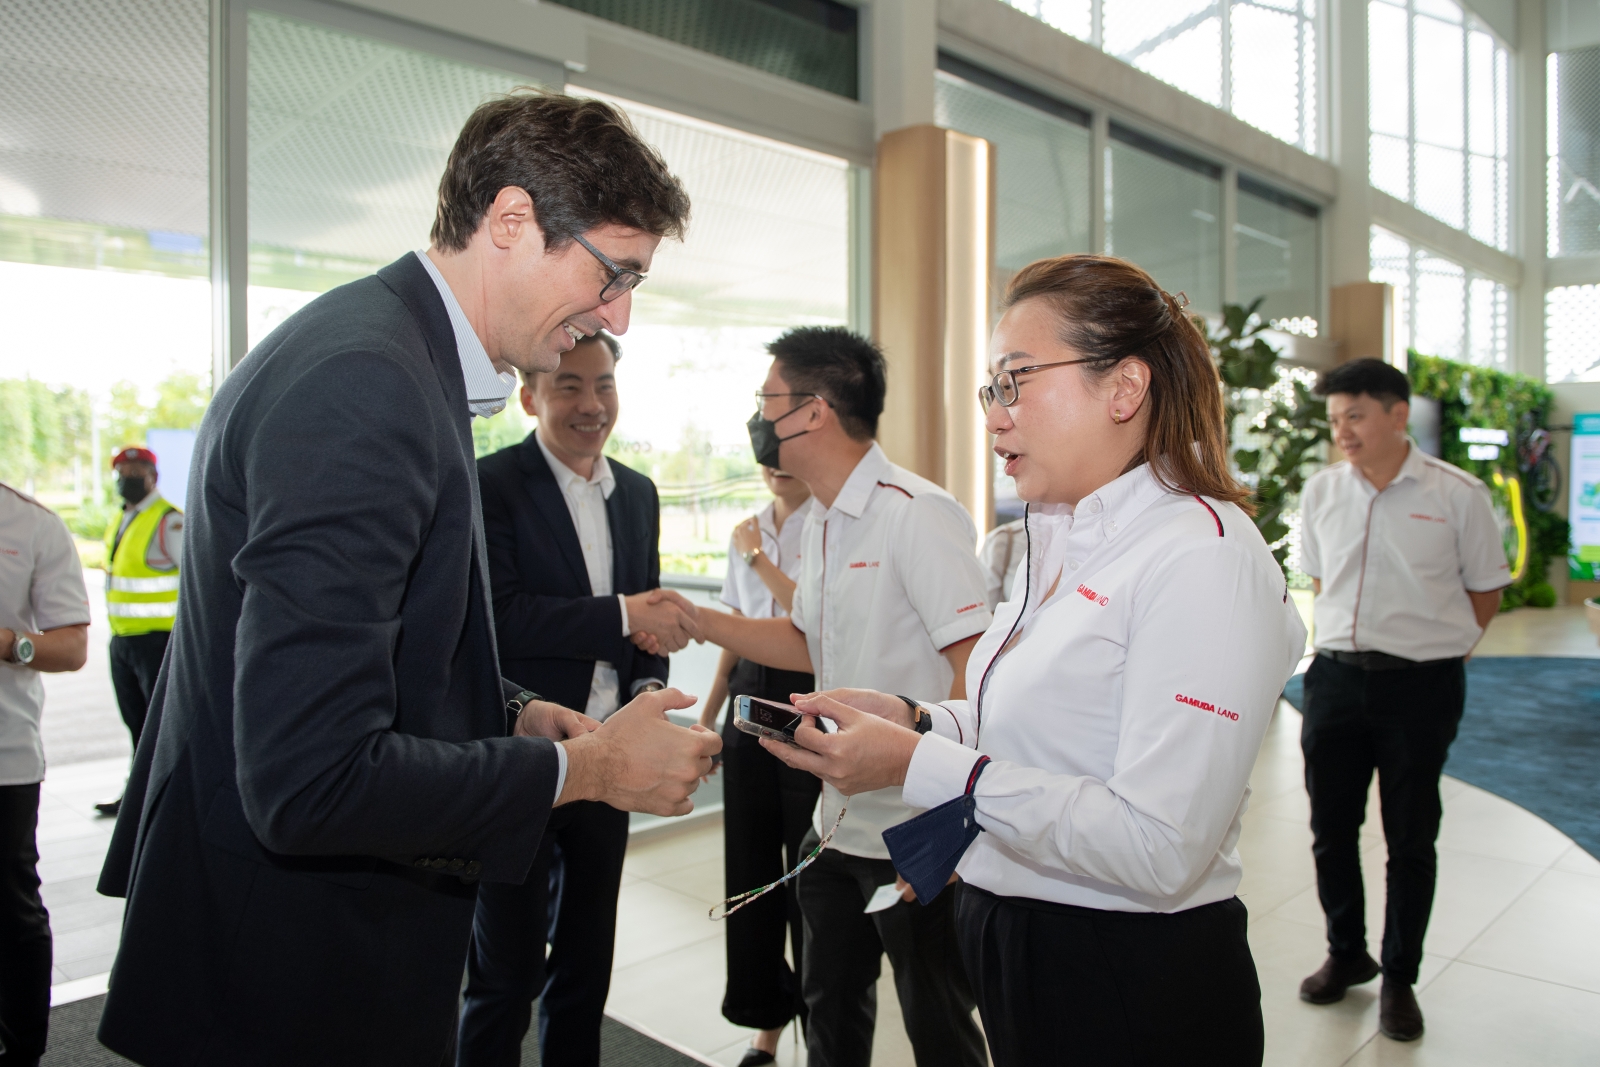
(329, 767)
(572, 541)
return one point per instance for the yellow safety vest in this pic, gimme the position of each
(139, 599)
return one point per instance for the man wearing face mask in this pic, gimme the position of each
(890, 595)
(144, 549)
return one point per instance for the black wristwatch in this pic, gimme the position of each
(921, 721)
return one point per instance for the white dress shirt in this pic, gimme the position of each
(487, 388)
(742, 589)
(1124, 712)
(41, 588)
(1004, 552)
(1396, 566)
(889, 577)
(586, 503)
(486, 395)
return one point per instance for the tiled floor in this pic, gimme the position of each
(1512, 973)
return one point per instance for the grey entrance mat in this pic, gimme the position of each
(72, 1043)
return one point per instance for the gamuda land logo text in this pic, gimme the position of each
(1203, 705)
(1093, 597)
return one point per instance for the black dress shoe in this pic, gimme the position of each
(754, 1057)
(1399, 1017)
(109, 807)
(1330, 982)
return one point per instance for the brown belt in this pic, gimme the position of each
(1382, 661)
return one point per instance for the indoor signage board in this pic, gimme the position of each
(1583, 510)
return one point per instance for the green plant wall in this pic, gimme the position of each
(1477, 396)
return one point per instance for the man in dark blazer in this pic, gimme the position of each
(328, 770)
(572, 543)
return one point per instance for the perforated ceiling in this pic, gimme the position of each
(104, 112)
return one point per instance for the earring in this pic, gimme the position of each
(1116, 416)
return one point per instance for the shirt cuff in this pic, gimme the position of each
(938, 772)
(971, 624)
(561, 773)
(640, 683)
(623, 601)
(943, 720)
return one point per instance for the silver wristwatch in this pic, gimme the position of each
(22, 649)
(750, 557)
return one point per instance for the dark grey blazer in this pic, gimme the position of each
(325, 772)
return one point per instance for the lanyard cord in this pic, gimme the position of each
(1027, 591)
(753, 895)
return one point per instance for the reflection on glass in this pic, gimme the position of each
(1255, 58)
(1438, 112)
(1445, 309)
(1278, 252)
(105, 316)
(1573, 140)
(1162, 213)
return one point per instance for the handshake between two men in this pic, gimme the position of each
(638, 759)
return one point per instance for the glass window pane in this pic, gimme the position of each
(1278, 257)
(1483, 199)
(1482, 113)
(1190, 60)
(348, 137)
(1068, 16)
(1572, 322)
(1439, 183)
(1392, 263)
(1437, 62)
(1574, 136)
(1439, 314)
(1388, 71)
(105, 309)
(1486, 323)
(1389, 165)
(1164, 217)
(1042, 162)
(1266, 57)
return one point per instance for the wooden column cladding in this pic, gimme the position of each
(933, 305)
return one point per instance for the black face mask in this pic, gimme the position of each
(764, 439)
(133, 490)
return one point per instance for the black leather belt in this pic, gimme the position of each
(1382, 661)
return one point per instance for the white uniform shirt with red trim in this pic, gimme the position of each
(41, 588)
(1396, 566)
(742, 589)
(1125, 716)
(889, 577)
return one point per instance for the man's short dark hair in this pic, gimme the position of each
(602, 336)
(844, 368)
(1381, 381)
(580, 161)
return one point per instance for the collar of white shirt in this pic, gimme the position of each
(487, 388)
(1412, 468)
(857, 489)
(570, 480)
(1115, 504)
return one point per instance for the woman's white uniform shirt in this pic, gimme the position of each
(1126, 716)
(743, 590)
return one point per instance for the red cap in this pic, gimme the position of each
(134, 454)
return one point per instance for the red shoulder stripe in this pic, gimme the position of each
(1214, 516)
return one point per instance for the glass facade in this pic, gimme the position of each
(105, 306)
(1279, 252)
(1439, 115)
(1255, 58)
(1445, 309)
(1572, 124)
(1163, 212)
(1571, 324)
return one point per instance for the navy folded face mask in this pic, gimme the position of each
(925, 849)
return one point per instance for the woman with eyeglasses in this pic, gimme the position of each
(1115, 707)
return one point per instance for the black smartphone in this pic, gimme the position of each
(768, 718)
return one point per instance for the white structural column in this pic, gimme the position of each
(228, 239)
(1349, 221)
(903, 51)
(1528, 190)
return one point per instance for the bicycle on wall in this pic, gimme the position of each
(1541, 475)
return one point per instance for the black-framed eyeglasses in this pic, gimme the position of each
(1004, 386)
(761, 401)
(623, 279)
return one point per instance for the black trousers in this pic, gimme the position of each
(24, 931)
(1399, 723)
(1063, 985)
(569, 902)
(135, 662)
(844, 951)
(767, 813)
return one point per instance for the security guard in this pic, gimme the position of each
(144, 548)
